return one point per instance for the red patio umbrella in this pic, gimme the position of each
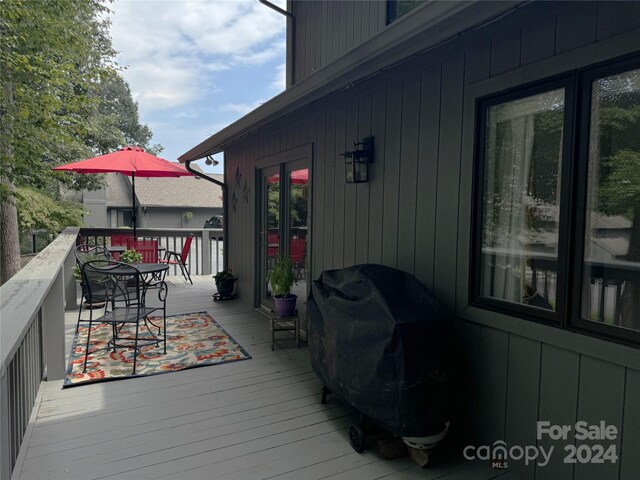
(130, 161)
(297, 177)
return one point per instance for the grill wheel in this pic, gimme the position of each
(357, 438)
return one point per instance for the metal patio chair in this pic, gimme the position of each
(83, 254)
(126, 285)
(180, 259)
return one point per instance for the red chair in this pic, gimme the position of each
(119, 240)
(148, 249)
(273, 241)
(297, 254)
(180, 259)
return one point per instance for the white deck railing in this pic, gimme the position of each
(32, 311)
(205, 255)
(32, 306)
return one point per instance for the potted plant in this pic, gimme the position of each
(131, 256)
(225, 283)
(282, 278)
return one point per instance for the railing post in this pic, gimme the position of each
(53, 329)
(70, 289)
(206, 252)
(5, 454)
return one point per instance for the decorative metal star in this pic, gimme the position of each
(234, 201)
(245, 192)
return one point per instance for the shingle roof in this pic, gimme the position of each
(165, 192)
(118, 190)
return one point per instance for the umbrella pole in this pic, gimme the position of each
(133, 197)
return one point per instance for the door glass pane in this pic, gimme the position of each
(521, 199)
(272, 203)
(611, 283)
(298, 226)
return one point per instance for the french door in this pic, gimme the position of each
(284, 225)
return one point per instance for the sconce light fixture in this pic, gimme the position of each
(356, 162)
(211, 161)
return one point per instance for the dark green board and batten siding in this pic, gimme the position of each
(326, 30)
(415, 214)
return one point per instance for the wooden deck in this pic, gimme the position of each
(254, 419)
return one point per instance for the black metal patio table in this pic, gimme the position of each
(143, 268)
(126, 289)
(122, 248)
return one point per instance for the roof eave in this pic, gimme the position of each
(424, 29)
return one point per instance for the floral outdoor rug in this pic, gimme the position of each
(193, 340)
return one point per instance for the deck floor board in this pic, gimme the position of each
(254, 419)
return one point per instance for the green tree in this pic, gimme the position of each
(52, 56)
(619, 188)
(616, 176)
(41, 210)
(116, 121)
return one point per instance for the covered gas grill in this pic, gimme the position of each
(380, 341)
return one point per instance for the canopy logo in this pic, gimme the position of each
(500, 454)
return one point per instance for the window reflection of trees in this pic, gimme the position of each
(299, 205)
(273, 204)
(521, 192)
(614, 195)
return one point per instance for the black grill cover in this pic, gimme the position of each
(379, 340)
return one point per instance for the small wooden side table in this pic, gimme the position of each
(284, 324)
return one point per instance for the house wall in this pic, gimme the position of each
(174, 218)
(161, 218)
(325, 30)
(415, 214)
(96, 202)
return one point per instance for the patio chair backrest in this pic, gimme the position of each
(114, 281)
(120, 239)
(273, 241)
(85, 252)
(186, 248)
(297, 248)
(148, 249)
(273, 238)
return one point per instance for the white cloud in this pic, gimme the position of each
(187, 114)
(184, 56)
(274, 50)
(171, 46)
(159, 86)
(279, 82)
(240, 108)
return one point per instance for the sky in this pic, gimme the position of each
(196, 66)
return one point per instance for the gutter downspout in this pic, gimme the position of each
(225, 211)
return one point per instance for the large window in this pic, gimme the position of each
(397, 8)
(557, 234)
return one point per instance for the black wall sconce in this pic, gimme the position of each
(356, 162)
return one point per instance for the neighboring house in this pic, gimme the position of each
(184, 202)
(482, 115)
